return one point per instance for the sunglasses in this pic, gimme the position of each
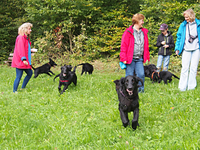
(163, 30)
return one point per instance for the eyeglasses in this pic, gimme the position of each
(162, 30)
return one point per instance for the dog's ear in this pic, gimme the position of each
(70, 67)
(122, 80)
(137, 81)
(122, 83)
(116, 82)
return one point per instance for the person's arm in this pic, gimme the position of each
(171, 42)
(21, 50)
(158, 43)
(124, 46)
(178, 40)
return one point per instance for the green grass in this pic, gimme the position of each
(86, 116)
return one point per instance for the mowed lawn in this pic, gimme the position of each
(86, 116)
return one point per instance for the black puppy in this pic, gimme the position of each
(163, 75)
(86, 68)
(44, 68)
(66, 77)
(127, 90)
(149, 69)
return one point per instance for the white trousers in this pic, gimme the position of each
(190, 60)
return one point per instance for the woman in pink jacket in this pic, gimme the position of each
(135, 48)
(22, 55)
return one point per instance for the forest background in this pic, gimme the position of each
(85, 29)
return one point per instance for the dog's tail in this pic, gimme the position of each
(175, 76)
(33, 67)
(81, 64)
(74, 69)
(56, 77)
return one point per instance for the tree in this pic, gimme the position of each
(158, 12)
(10, 19)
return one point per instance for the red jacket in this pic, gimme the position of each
(21, 51)
(127, 46)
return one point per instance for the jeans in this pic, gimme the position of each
(137, 66)
(165, 63)
(19, 73)
(190, 60)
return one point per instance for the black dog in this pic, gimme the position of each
(66, 77)
(127, 90)
(86, 68)
(149, 69)
(44, 68)
(163, 75)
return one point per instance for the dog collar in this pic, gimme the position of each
(64, 80)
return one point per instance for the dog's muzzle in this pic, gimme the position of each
(64, 74)
(130, 92)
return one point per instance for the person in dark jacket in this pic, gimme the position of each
(165, 43)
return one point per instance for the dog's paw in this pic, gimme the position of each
(126, 124)
(134, 125)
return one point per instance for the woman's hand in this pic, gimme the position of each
(177, 52)
(166, 46)
(124, 62)
(163, 43)
(25, 62)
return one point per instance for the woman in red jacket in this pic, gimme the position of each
(22, 55)
(135, 48)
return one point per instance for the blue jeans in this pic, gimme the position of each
(137, 66)
(19, 73)
(165, 63)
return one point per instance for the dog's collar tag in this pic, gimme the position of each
(64, 80)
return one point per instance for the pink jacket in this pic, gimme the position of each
(21, 51)
(127, 46)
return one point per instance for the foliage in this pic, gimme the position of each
(61, 26)
(9, 22)
(158, 12)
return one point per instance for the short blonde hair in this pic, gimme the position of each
(23, 29)
(190, 13)
(136, 18)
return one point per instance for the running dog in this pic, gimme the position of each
(44, 68)
(66, 77)
(127, 90)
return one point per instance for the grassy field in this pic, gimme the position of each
(86, 116)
